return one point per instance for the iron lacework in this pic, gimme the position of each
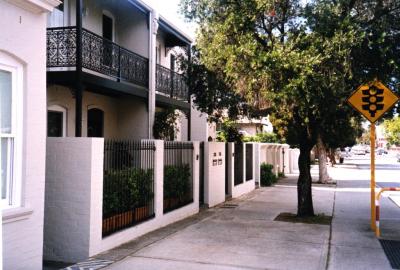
(98, 54)
(171, 83)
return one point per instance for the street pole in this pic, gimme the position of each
(373, 209)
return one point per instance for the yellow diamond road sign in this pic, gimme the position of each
(372, 100)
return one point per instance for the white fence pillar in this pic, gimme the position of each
(159, 178)
(231, 166)
(214, 173)
(196, 172)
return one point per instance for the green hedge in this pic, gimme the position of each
(267, 177)
(177, 181)
(123, 190)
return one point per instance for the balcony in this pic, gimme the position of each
(98, 54)
(171, 83)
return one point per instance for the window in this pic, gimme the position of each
(108, 35)
(108, 25)
(158, 54)
(95, 123)
(173, 61)
(56, 121)
(10, 130)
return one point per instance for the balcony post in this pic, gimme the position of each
(189, 50)
(79, 83)
(153, 22)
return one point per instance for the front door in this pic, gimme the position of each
(95, 126)
(108, 34)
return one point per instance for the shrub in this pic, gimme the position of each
(263, 138)
(126, 189)
(267, 176)
(176, 181)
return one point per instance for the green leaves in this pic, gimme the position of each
(392, 130)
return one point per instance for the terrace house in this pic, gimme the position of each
(111, 65)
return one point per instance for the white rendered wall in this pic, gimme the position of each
(124, 118)
(74, 178)
(272, 154)
(214, 173)
(23, 39)
(199, 125)
(286, 158)
(293, 160)
(246, 186)
(131, 27)
(74, 219)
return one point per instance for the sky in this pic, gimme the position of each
(169, 9)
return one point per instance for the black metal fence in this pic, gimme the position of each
(178, 174)
(98, 54)
(238, 164)
(128, 184)
(171, 83)
(249, 162)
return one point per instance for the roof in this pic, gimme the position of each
(177, 35)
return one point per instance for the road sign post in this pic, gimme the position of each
(372, 184)
(372, 100)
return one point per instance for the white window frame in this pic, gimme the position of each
(14, 183)
(59, 108)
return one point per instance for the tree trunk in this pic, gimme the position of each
(304, 193)
(331, 153)
(323, 170)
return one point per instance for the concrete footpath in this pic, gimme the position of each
(242, 233)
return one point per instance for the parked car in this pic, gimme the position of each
(381, 151)
(358, 150)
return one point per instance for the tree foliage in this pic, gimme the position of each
(299, 63)
(165, 124)
(211, 93)
(392, 130)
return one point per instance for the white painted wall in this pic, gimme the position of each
(183, 125)
(271, 153)
(132, 118)
(124, 118)
(199, 125)
(214, 173)
(293, 160)
(74, 175)
(131, 27)
(246, 186)
(23, 38)
(82, 211)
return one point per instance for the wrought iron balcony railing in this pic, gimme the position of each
(171, 83)
(98, 54)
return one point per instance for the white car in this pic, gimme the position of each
(358, 150)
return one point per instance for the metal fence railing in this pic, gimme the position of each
(178, 174)
(249, 162)
(98, 54)
(171, 83)
(128, 184)
(238, 164)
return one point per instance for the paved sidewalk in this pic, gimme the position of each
(242, 234)
(238, 237)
